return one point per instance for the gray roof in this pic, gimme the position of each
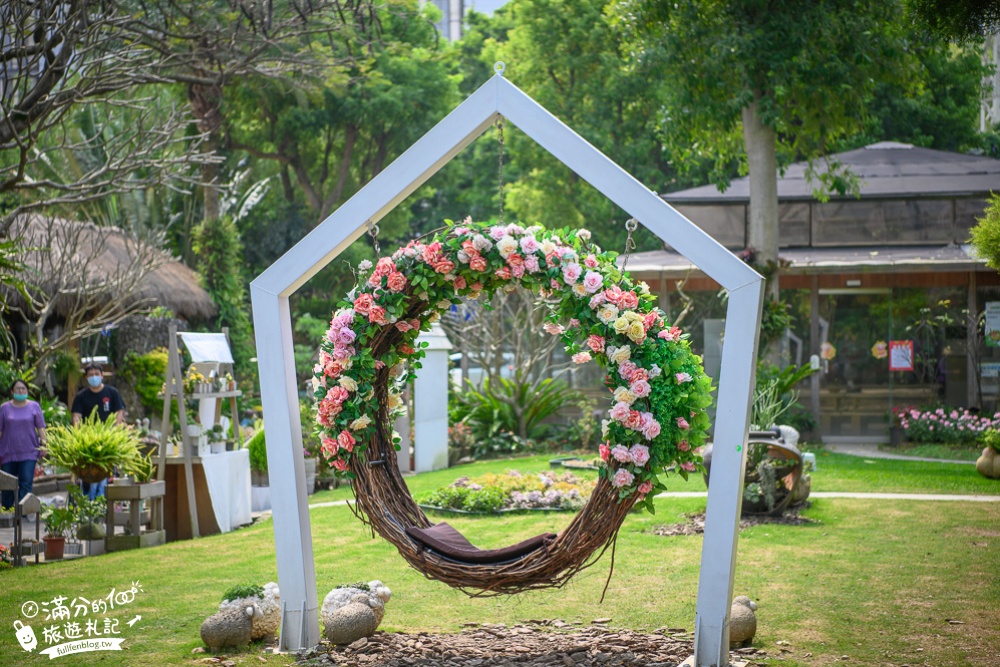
(833, 260)
(886, 170)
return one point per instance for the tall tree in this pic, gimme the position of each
(788, 78)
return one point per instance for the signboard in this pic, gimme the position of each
(901, 355)
(990, 369)
(992, 330)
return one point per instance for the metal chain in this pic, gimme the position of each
(373, 232)
(500, 124)
(630, 226)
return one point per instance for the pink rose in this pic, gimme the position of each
(346, 336)
(649, 320)
(503, 273)
(403, 326)
(689, 466)
(498, 232)
(634, 420)
(377, 315)
(619, 412)
(622, 478)
(645, 487)
(343, 353)
(379, 364)
(531, 264)
(363, 303)
(396, 281)
(476, 286)
(626, 368)
(682, 423)
(596, 343)
(621, 454)
(640, 454)
(553, 328)
(517, 271)
(682, 377)
(336, 394)
(554, 284)
(597, 300)
(651, 430)
(571, 273)
(605, 452)
(613, 294)
(329, 447)
(460, 283)
(641, 388)
(673, 335)
(629, 300)
(477, 263)
(529, 245)
(639, 374)
(339, 464)
(384, 267)
(590, 262)
(444, 266)
(346, 441)
(581, 357)
(593, 281)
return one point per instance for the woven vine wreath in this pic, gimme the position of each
(659, 389)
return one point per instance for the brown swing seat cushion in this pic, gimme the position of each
(448, 542)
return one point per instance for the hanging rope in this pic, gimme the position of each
(499, 125)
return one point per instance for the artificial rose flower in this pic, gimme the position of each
(651, 430)
(624, 395)
(596, 343)
(346, 336)
(553, 328)
(689, 466)
(395, 401)
(613, 294)
(407, 350)
(638, 374)
(342, 353)
(621, 454)
(396, 282)
(605, 452)
(431, 251)
(481, 243)
(554, 284)
(579, 290)
(363, 303)
(444, 266)
(531, 264)
(529, 245)
(621, 325)
(506, 245)
(654, 372)
(571, 273)
(336, 394)
(640, 454)
(621, 354)
(629, 300)
(547, 247)
(346, 441)
(673, 335)
(622, 478)
(573, 323)
(377, 315)
(645, 487)
(364, 265)
(634, 420)
(361, 422)
(581, 357)
(605, 426)
(329, 447)
(515, 229)
(503, 273)
(379, 364)
(626, 368)
(590, 262)
(683, 446)
(403, 326)
(583, 234)
(478, 263)
(384, 266)
(497, 232)
(348, 383)
(682, 423)
(444, 304)
(339, 464)
(682, 377)
(593, 281)
(649, 320)
(597, 300)
(460, 283)
(619, 412)
(641, 388)
(635, 332)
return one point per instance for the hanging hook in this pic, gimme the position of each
(499, 67)
(373, 232)
(630, 226)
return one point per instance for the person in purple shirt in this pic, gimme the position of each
(22, 440)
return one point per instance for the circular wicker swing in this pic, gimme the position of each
(383, 501)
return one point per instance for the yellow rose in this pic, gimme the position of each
(580, 290)
(621, 325)
(395, 400)
(623, 395)
(348, 383)
(621, 354)
(632, 316)
(636, 332)
(361, 422)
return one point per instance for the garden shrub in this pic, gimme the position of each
(145, 372)
(491, 492)
(258, 450)
(958, 426)
(244, 591)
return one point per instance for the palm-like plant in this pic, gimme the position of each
(92, 449)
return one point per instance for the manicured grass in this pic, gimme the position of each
(874, 580)
(841, 472)
(936, 451)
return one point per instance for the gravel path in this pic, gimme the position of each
(534, 643)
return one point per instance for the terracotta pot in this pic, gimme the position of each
(54, 547)
(91, 474)
(988, 464)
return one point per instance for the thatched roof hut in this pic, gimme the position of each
(70, 257)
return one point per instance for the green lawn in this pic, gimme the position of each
(936, 451)
(872, 580)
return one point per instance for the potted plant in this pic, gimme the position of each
(92, 449)
(58, 520)
(6, 517)
(217, 439)
(90, 515)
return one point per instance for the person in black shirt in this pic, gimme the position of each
(107, 402)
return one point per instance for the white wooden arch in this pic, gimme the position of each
(272, 322)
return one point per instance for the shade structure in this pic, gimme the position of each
(272, 320)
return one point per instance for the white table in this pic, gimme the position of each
(222, 493)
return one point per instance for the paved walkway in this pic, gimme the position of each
(873, 452)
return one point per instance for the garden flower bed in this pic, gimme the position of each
(511, 492)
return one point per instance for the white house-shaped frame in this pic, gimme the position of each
(272, 321)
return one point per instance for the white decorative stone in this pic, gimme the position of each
(742, 622)
(267, 610)
(231, 627)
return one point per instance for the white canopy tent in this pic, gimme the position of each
(272, 321)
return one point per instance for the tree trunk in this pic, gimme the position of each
(760, 143)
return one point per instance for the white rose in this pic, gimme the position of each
(361, 422)
(507, 245)
(548, 247)
(607, 313)
(348, 383)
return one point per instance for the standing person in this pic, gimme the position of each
(22, 440)
(107, 402)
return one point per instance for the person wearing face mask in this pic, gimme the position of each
(109, 405)
(22, 440)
